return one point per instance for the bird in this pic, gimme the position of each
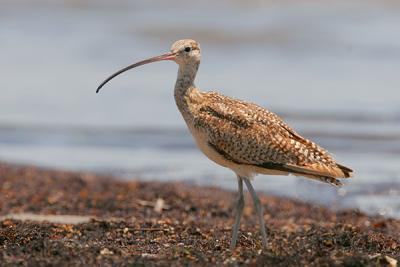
(242, 136)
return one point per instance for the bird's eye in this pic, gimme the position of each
(187, 49)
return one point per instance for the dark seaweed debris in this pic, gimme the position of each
(175, 224)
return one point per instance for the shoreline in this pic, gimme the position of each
(156, 224)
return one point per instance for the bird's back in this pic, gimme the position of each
(249, 136)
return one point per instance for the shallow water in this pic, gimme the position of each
(330, 70)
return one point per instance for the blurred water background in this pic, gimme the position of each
(329, 68)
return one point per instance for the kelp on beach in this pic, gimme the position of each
(158, 224)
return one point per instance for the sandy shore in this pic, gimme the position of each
(55, 218)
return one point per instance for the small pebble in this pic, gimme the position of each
(106, 251)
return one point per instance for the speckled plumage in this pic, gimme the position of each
(248, 138)
(249, 135)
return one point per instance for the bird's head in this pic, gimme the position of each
(186, 52)
(183, 52)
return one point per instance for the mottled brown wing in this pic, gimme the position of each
(246, 133)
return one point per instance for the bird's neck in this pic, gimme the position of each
(185, 84)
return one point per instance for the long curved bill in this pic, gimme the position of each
(167, 56)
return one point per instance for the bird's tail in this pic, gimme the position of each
(329, 176)
(346, 171)
(325, 179)
(318, 171)
(326, 174)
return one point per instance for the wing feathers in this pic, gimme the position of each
(248, 134)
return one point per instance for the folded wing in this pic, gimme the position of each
(246, 133)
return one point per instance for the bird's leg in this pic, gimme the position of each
(239, 211)
(259, 210)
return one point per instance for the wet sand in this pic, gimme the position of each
(56, 218)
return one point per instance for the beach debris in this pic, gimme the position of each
(149, 256)
(384, 260)
(392, 262)
(52, 218)
(121, 231)
(158, 205)
(106, 251)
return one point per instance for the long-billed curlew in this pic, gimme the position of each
(241, 136)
